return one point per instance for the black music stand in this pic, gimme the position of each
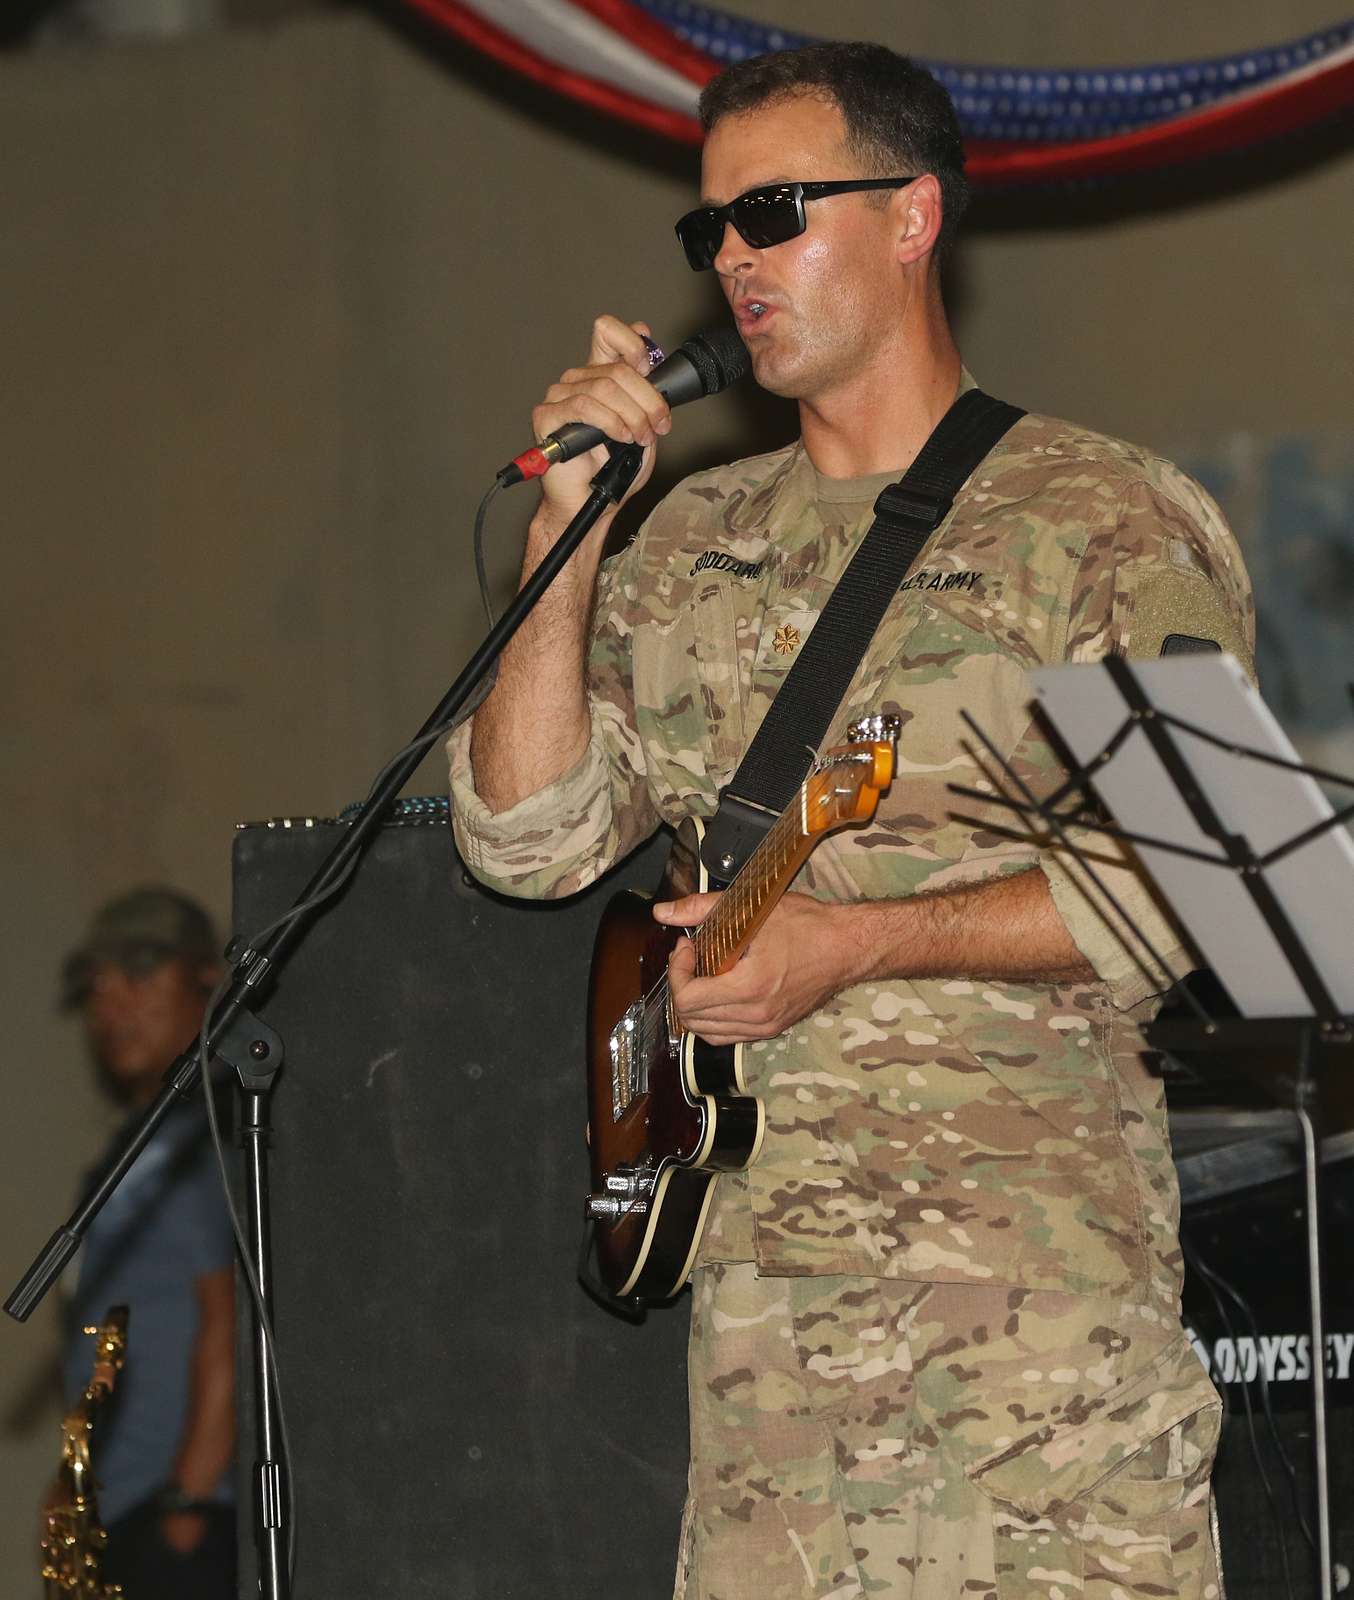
(1144, 760)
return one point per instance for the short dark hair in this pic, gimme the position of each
(898, 117)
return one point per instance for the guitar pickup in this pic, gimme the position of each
(629, 1076)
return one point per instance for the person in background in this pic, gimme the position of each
(162, 1246)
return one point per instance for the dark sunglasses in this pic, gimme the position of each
(763, 217)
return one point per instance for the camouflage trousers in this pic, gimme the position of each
(854, 1437)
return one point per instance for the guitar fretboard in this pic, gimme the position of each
(827, 797)
(721, 937)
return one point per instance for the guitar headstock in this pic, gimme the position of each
(846, 784)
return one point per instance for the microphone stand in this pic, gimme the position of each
(239, 1038)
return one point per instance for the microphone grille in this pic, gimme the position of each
(720, 358)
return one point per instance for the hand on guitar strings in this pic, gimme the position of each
(802, 955)
(1006, 929)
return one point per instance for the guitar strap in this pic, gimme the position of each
(906, 514)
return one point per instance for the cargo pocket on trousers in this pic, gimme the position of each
(1119, 1496)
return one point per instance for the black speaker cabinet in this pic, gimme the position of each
(465, 1422)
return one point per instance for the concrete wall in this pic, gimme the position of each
(279, 302)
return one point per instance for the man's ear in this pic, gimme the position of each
(920, 210)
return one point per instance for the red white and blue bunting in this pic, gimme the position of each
(645, 61)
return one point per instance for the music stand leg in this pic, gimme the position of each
(1311, 1161)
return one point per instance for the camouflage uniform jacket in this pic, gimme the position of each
(966, 1130)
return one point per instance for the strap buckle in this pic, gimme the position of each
(733, 833)
(899, 504)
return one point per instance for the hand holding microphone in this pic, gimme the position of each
(542, 682)
(622, 396)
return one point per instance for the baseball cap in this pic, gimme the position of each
(137, 931)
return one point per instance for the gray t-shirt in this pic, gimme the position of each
(164, 1227)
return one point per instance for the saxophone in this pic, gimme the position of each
(72, 1546)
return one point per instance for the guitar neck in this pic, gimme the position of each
(749, 899)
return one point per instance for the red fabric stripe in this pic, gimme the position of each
(504, 48)
(1275, 110)
(649, 35)
(1281, 108)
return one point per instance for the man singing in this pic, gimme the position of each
(936, 1348)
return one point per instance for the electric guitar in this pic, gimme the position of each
(666, 1112)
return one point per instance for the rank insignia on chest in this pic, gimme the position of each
(786, 639)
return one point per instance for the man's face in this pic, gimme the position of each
(810, 310)
(137, 1022)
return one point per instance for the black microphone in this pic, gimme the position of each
(705, 364)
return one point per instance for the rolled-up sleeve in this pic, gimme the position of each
(553, 843)
(1130, 941)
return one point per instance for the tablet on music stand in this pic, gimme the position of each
(1267, 804)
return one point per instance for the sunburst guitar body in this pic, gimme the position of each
(667, 1113)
